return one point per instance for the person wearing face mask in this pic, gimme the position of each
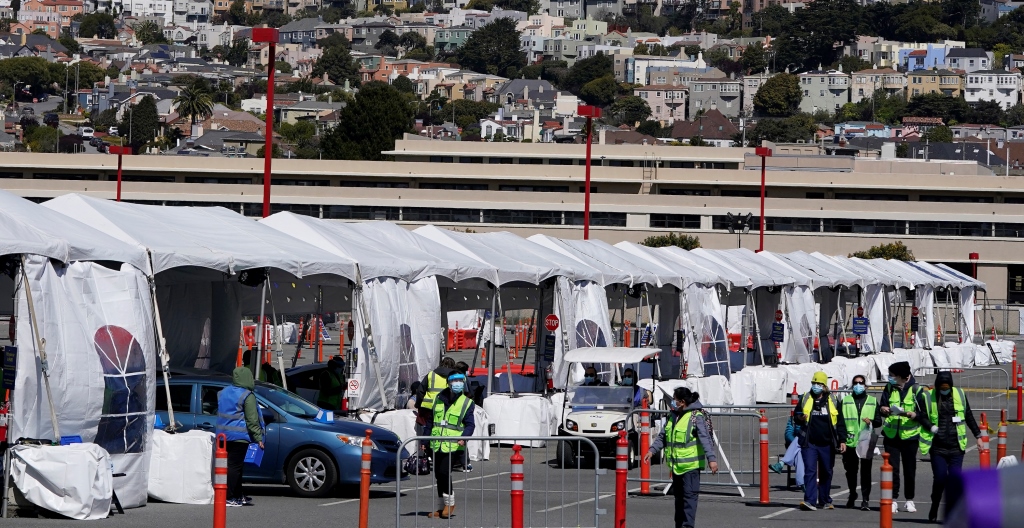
(860, 412)
(687, 441)
(905, 409)
(946, 440)
(590, 378)
(639, 394)
(332, 385)
(453, 417)
(822, 417)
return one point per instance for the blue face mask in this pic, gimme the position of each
(945, 392)
(458, 386)
(859, 389)
(588, 379)
(816, 389)
(627, 381)
(892, 380)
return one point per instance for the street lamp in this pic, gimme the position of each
(974, 264)
(589, 112)
(270, 36)
(739, 224)
(764, 153)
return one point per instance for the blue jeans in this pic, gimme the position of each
(796, 460)
(815, 458)
(944, 467)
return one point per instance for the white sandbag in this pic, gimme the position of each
(865, 366)
(940, 358)
(181, 467)
(901, 354)
(800, 375)
(523, 416)
(73, 480)
(982, 356)
(744, 389)
(771, 385)
(882, 362)
(402, 422)
(1003, 349)
(715, 391)
(836, 371)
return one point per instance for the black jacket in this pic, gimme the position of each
(946, 441)
(818, 429)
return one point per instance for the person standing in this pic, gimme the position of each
(238, 418)
(687, 440)
(905, 411)
(792, 457)
(432, 384)
(946, 440)
(268, 373)
(860, 413)
(332, 385)
(823, 425)
(453, 417)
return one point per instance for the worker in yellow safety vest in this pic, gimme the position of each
(905, 411)
(860, 413)
(823, 432)
(453, 417)
(432, 384)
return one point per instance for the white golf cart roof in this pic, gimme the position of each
(610, 354)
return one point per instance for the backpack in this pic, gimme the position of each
(701, 413)
(419, 464)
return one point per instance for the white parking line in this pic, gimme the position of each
(454, 482)
(571, 504)
(787, 510)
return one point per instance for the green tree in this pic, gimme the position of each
(99, 25)
(630, 109)
(652, 128)
(371, 124)
(411, 40)
(467, 113)
(530, 7)
(939, 105)
(70, 43)
(682, 240)
(33, 71)
(779, 96)
(939, 134)
(43, 139)
(587, 70)
(693, 50)
(800, 127)
(236, 15)
(600, 92)
(339, 65)
(551, 71)
(149, 33)
(891, 251)
(387, 39)
(493, 49)
(193, 104)
(641, 49)
(283, 66)
(140, 123)
(403, 85)
(754, 58)
(1015, 115)
(987, 113)
(336, 40)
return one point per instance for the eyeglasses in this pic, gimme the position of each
(861, 383)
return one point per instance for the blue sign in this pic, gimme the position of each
(549, 348)
(860, 325)
(10, 363)
(778, 332)
(914, 324)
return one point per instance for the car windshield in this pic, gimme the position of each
(288, 402)
(607, 396)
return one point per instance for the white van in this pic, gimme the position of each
(85, 131)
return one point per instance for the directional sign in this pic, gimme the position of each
(778, 332)
(10, 362)
(860, 325)
(551, 322)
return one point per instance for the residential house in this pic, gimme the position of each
(365, 36)
(751, 84)
(667, 102)
(52, 16)
(589, 50)
(721, 93)
(387, 69)
(918, 125)
(562, 49)
(1010, 62)
(982, 132)
(587, 29)
(826, 90)
(931, 57)
(193, 13)
(637, 67)
(217, 35)
(865, 83)
(1001, 86)
(158, 8)
(968, 59)
(539, 25)
(301, 31)
(711, 126)
(307, 110)
(533, 47)
(565, 8)
(852, 129)
(946, 82)
(450, 39)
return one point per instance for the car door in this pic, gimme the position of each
(181, 401)
(272, 449)
(206, 417)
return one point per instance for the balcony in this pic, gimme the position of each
(273, 4)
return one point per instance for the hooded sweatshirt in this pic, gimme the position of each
(703, 435)
(242, 377)
(946, 442)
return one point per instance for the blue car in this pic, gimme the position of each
(310, 456)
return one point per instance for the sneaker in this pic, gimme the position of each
(852, 501)
(864, 505)
(829, 506)
(234, 503)
(895, 507)
(909, 507)
(776, 467)
(247, 501)
(807, 507)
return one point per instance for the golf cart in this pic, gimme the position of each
(599, 413)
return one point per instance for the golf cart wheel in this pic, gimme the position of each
(566, 456)
(632, 458)
(311, 473)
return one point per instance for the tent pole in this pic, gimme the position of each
(278, 339)
(259, 333)
(490, 344)
(161, 344)
(504, 341)
(759, 347)
(40, 350)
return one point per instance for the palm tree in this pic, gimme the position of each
(194, 104)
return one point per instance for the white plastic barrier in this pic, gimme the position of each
(801, 375)
(525, 415)
(771, 385)
(941, 358)
(961, 355)
(1003, 349)
(836, 370)
(744, 388)
(882, 362)
(403, 423)
(865, 366)
(180, 467)
(983, 356)
(714, 390)
(73, 480)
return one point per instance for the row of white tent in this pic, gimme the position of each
(106, 291)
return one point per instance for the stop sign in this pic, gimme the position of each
(778, 315)
(551, 322)
(914, 311)
(860, 311)
(351, 330)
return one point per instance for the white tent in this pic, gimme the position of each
(967, 301)
(614, 264)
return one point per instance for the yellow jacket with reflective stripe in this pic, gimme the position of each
(435, 384)
(449, 422)
(683, 450)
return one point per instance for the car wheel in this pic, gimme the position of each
(566, 456)
(311, 473)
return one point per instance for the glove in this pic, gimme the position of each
(935, 429)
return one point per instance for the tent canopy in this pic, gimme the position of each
(734, 266)
(29, 228)
(871, 274)
(907, 272)
(966, 278)
(829, 272)
(610, 354)
(205, 237)
(950, 280)
(616, 265)
(688, 271)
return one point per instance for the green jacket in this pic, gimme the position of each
(242, 377)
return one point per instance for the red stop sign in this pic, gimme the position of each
(778, 315)
(551, 322)
(914, 311)
(860, 311)
(351, 330)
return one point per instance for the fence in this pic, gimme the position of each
(986, 387)
(552, 496)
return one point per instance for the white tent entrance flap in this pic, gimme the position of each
(582, 310)
(98, 327)
(705, 347)
(924, 301)
(405, 321)
(874, 300)
(800, 324)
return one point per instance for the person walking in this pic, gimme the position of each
(238, 419)
(946, 440)
(453, 417)
(687, 441)
(822, 419)
(905, 411)
(860, 413)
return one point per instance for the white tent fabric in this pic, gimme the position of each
(666, 260)
(924, 301)
(582, 310)
(98, 329)
(871, 273)
(206, 237)
(967, 307)
(832, 273)
(617, 266)
(874, 310)
(965, 278)
(801, 325)
(727, 274)
(706, 349)
(743, 260)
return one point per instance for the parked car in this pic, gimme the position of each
(312, 457)
(112, 131)
(51, 119)
(85, 131)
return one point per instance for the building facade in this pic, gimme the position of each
(826, 90)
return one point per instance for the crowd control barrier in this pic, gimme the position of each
(531, 490)
(985, 387)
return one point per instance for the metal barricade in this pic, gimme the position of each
(553, 495)
(986, 387)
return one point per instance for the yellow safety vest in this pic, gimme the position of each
(807, 405)
(448, 422)
(931, 398)
(854, 422)
(435, 384)
(902, 424)
(683, 450)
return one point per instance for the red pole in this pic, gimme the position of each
(220, 483)
(761, 244)
(645, 445)
(764, 459)
(517, 486)
(120, 152)
(586, 193)
(1020, 395)
(885, 504)
(984, 453)
(268, 149)
(1001, 438)
(364, 482)
(621, 472)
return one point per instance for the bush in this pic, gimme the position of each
(896, 250)
(681, 240)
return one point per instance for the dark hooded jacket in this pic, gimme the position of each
(945, 442)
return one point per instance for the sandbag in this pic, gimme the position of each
(526, 415)
(1003, 349)
(73, 480)
(744, 389)
(770, 384)
(181, 467)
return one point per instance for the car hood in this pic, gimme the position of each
(355, 428)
